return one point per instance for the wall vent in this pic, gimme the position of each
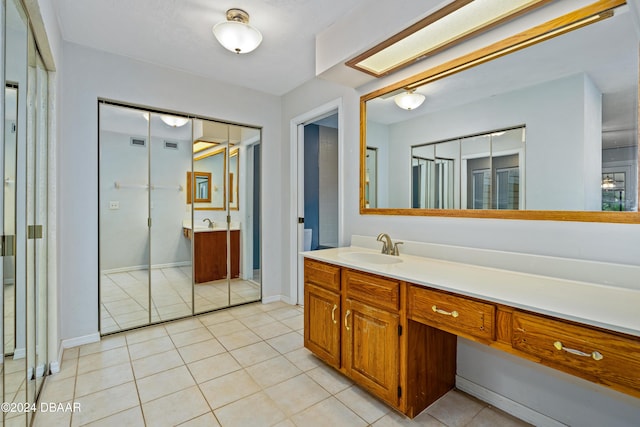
(138, 142)
(171, 145)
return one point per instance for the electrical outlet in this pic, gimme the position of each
(114, 205)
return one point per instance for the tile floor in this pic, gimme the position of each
(244, 366)
(125, 296)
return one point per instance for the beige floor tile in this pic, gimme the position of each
(238, 339)
(183, 325)
(19, 420)
(329, 412)
(156, 363)
(151, 347)
(49, 419)
(490, 417)
(330, 379)
(285, 423)
(303, 359)
(71, 353)
(68, 369)
(104, 403)
(215, 318)
(271, 330)
(254, 353)
(226, 328)
(455, 409)
(213, 367)
(128, 418)
(284, 313)
(296, 394)
(101, 379)
(363, 404)
(247, 310)
(58, 390)
(175, 408)
(95, 361)
(255, 410)
(164, 383)
(255, 320)
(273, 371)
(106, 343)
(191, 336)
(201, 350)
(394, 419)
(296, 322)
(228, 388)
(146, 334)
(287, 342)
(206, 420)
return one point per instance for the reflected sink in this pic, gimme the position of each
(370, 257)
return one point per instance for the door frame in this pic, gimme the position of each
(296, 198)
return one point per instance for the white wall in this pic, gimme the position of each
(589, 241)
(90, 74)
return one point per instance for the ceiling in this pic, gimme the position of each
(177, 34)
(606, 51)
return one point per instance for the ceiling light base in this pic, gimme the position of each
(238, 15)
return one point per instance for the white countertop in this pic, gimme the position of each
(216, 227)
(609, 307)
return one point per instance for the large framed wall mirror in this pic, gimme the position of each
(543, 131)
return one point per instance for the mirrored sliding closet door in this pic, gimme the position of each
(24, 215)
(179, 216)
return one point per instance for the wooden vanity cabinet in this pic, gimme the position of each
(371, 333)
(322, 313)
(597, 355)
(210, 255)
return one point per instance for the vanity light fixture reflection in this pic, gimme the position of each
(444, 28)
(409, 100)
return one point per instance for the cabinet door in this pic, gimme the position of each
(322, 323)
(370, 349)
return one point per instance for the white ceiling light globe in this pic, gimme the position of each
(236, 34)
(409, 100)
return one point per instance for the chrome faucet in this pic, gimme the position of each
(210, 222)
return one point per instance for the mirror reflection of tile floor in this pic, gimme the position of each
(125, 296)
(245, 366)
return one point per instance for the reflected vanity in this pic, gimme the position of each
(544, 132)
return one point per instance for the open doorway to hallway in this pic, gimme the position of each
(316, 187)
(321, 183)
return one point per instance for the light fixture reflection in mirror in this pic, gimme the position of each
(409, 100)
(581, 120)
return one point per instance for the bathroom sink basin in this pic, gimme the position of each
(371, 258)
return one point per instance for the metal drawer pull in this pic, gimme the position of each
(333, 313)
(446, 313)
(346, 316)
(595, 355)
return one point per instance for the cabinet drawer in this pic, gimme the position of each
(455, 314)
(321, 274)
(375, 290)
(594, 354)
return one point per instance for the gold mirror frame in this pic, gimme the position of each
(234, 181)
(191, 186)
(223, 183)
(587, 15)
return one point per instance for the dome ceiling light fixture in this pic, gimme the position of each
(235, 34)
(409, 100)
(173, 121)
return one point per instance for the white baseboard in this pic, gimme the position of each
(276, 298)
(273, 298)
(85, 339)
(505, 404)
(19, 353)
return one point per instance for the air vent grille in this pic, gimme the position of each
(171, 145)
(138, 142)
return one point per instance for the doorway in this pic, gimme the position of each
(316, 165)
